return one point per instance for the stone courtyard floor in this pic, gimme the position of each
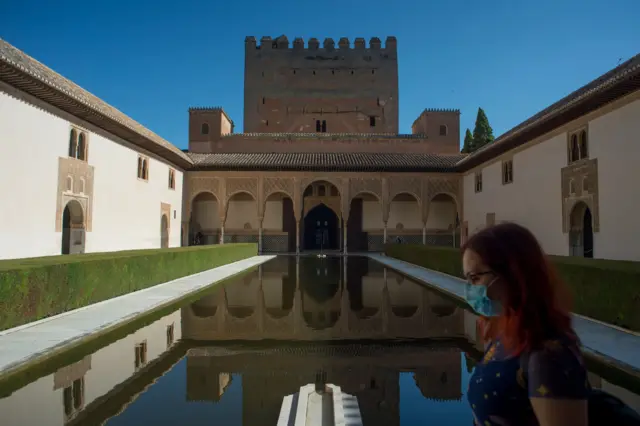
(606, 343)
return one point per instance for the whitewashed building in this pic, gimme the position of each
(76, 174)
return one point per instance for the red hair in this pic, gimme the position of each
(536, 303)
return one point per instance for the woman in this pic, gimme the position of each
(532, 372)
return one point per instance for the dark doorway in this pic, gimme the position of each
(72, 228)
(588, 234)
(321, 229)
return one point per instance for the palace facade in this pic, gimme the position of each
(320, 165)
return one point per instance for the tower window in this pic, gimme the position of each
(317, 125)
(204, 129)
(263, 101)
(372, 121)
(324, 126)
(443, 130)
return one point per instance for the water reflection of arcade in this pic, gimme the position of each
(321, 299)
(373, 377)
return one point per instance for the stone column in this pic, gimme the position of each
(185, 234)
(344, 246)
(424, 234)
(260, 219)
(384, 235)
(222, 233)
(298, 236)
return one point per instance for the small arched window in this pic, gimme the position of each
(82, 147)
(204, 129)
(443, 130)
(584, 150)
(324, 126)
(69, 185)
(82, 185)
(140, 167)
(73, 143)
(145, 169)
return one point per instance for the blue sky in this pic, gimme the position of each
(153, 60)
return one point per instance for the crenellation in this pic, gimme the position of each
(266, 43)
(329, 44)
(298, 43)
(314, 44)
(282, 43)
(250, 43)
(391, 43)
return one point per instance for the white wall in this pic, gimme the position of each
(126, 211)
(39, 403)
(614, 139)
(534, 198)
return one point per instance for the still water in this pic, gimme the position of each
(229, 358)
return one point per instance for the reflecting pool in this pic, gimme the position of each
(229, 358)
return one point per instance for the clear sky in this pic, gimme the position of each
(153, 59)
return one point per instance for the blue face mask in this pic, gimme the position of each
(476, 297)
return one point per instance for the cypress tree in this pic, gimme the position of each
(482, 133)
(468, 142)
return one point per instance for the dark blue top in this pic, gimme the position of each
(499, 388)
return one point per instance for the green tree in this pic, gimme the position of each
(482, 133)
(468, 142)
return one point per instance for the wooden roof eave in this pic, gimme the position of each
(26, 83)
(302, 168)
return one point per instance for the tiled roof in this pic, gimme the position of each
(24, 72)
(326, 161)
(614, 84)
(335, 136)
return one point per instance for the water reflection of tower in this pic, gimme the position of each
(441, 379)
(204, 381)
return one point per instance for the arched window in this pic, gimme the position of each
(204, 129)
(584, 150)
(82, 147)
(140, 167)
(443, 130)
(145, 169)
(317, 125)
(324, 126)
(73, 143)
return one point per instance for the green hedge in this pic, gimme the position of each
(35, 288)
(606, 290)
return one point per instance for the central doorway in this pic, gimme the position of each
(321, 229)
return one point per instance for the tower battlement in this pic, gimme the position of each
(328, 44)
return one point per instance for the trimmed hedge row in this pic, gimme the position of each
(36, 288)
(606, 290)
